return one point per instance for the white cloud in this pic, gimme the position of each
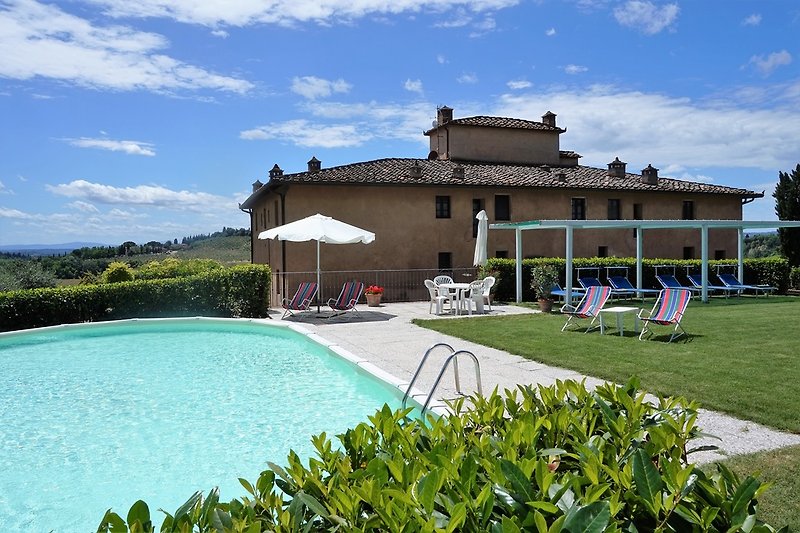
(441, 59)
(220, 33)
(43, 40)
(752, 20)
(82, 206)
(766, 65)
(129, 147)
(4, 189)
(7, 212)
(312, 87)
(550, 32)
(468, 78)
(481, 28)
(303, 133)
(144, 195)
(575, 69)
(645, 16)
(414, 86)
(287, 12)
(641, 128)
(516, 85)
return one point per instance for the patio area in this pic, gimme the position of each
(386, 337)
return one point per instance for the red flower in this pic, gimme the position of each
(374, 289)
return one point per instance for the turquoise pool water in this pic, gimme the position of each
(97, 417)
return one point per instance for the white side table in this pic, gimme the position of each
(619, 312)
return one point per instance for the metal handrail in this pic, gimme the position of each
(422, 363)
(453, 358)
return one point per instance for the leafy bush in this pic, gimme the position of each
(772, 271)
(176, 268)
(794, 278)
(117, 272)
(19, 275)
(237, 291)
(559, 458)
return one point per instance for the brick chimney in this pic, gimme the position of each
(314, 164)
(444, 114)
(616, 169)
(549, 118)
(257, 185)
(276, 172)
(650, 175)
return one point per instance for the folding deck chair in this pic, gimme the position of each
(301, 300)
(730, 281)
(668, 310)
(348, 298)
(589, 307)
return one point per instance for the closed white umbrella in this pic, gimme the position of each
(319, 228)
(481, 256)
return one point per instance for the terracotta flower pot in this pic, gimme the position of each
(545, 305)
(373, 300)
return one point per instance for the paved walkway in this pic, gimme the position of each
(385, 337)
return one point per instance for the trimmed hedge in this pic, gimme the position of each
(774, 271)
(552, 459)
(240, 291)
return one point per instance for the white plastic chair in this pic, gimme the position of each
(473, 295)
(488, 283)
(450, 294)
(436, 298)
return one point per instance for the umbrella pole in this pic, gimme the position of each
(319, 287)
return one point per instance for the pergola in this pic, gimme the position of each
(640, 225)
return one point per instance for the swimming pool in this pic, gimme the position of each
(98, 416)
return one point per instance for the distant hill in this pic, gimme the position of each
(227, 250)
(46, 249)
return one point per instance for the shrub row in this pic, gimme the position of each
(794, 278)
(558, 458)
(774, 271)
(238, 291)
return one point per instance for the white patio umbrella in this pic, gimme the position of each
(319, 228)
(481, 256)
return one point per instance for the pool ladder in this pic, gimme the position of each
(452, 358)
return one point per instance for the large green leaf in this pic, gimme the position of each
(648, 481)
(592, 518)
(140, 512)
(520, 483)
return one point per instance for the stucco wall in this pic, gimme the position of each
(500, 145)
(409, 236)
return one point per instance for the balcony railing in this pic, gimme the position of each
(399, 285)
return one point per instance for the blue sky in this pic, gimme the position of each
(149, 120)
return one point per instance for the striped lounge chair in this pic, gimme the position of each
(301, 300)
(348, 298)
(667, 311)
(589, 307)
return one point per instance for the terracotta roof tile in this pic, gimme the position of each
(397, 171)
(500, 122)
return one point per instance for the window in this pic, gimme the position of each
(688, 210)
(614, 211)
(602, 251)
(719, 255)
(442, 207)
(688, 252)
(502, 207)
(477, 207)
(445, 261)
(579, 209)
(501, 254)
(637, 212)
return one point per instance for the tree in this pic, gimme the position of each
(787, 207)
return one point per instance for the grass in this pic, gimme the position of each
(743, 358)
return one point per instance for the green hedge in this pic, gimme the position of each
(552, 459)
(774, 271)
(794, 278)
(238, 291)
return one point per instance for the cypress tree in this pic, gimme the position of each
(787, 207)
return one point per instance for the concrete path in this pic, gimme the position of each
(385, 337)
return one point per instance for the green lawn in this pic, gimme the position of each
(743, 356)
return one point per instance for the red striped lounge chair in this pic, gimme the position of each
(668, 310)
(301, 300)
(589, 307)
(348, 298)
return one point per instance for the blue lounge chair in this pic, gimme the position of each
(587, 282)
(668, 281)
(561, 293)
(348, 298)
(621, 283)
(301, 300)
(697, 281)
(668, 310)
(730, 281)
(589, 307)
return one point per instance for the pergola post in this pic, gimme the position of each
(518, 239)
(639, 256)
(568, 277)
(704, 261)
(740, 257)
